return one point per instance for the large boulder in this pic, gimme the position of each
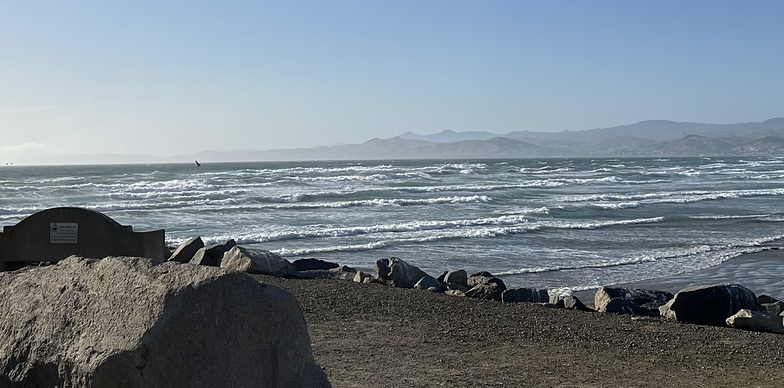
(122, 322)
(256, 261)
(709, 305)
(397, 273)
(516, 295)
(212, 254)
(185, 252)
(630, 300)
(756, 321)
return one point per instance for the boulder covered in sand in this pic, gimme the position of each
(709, 305)
(122, 322)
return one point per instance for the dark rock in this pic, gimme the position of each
(709, 305)
(568, 302)
(442, 276)
(525, 295)
(397, 273)
(484, 277)
(490, 291)
(756, 321)
(256, 261)
(630, 300)
(774, 308)
(313, 264)
(428, 282)
(184, 253)
(212, 254)
(762, 298)
(137, 324)
(457, 279)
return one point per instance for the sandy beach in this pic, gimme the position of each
(369, 335)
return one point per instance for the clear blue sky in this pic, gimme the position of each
(175, 77)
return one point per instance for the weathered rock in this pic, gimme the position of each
(454, 293)
(756, 321)
(774, 308)
(211, 255)
(122, 322)
(484, 277)
(567, 302)
(456, 286)
(516, 295)
(428, 282)
(256, 261)
(709, 305)
(570, 302)
(313, 264)
(184, 253)
(457, 279)
(361, 277)
(630, 300)
(770, 304)
(490, 291)
(397, 273)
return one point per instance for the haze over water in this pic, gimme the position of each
(551, 223)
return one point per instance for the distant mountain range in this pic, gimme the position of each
(647, 138)
(655, 138)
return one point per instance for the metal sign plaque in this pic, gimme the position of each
(63, 232)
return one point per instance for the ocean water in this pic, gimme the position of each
(554, 223)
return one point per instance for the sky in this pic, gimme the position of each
(177, 77)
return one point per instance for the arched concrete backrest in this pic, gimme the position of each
(54, 234)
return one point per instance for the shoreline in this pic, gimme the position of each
(760, 272)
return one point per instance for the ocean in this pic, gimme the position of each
(553, 223)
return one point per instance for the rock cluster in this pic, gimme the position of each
(706, 305)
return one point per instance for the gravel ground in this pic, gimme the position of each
(369, 335)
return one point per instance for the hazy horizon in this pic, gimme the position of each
(176, 78)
